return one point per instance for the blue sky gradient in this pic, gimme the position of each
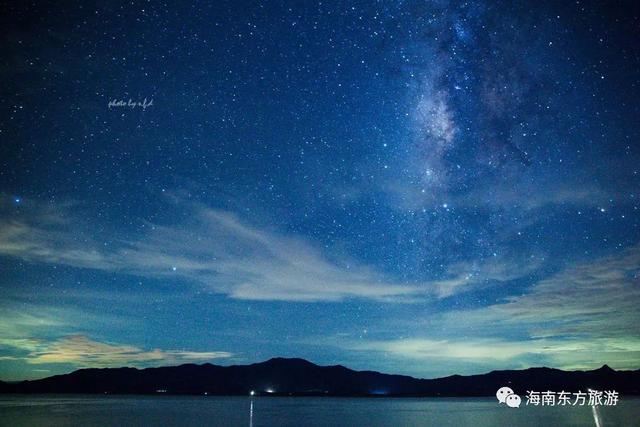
(423, 188)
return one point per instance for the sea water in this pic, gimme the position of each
(85, 410)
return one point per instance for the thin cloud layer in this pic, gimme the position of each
(214, 248)
(217, 249)
(465, 276)
(598, 298)
(81, 350)
(579, 318)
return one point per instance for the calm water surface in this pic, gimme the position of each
(74, 410)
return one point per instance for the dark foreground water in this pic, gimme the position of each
(298, 411)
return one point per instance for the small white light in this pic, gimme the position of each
(252, 393)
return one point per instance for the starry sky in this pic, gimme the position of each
(415, 187)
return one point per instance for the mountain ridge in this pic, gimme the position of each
(299, 377)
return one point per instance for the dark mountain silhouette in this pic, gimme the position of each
(300, 377)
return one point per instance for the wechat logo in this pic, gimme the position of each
(507, 396)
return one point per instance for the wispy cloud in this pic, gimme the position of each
(37, 334)
(480, 354)
(18, 327)
(214, 248)
(481, 349)
(465, 276)
(80, 350)
(581, 317)
(599, 298)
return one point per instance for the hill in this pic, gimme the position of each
(300, 377)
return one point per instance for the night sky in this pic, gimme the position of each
(415, 187)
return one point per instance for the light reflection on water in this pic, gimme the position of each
(295, 411)
(596, 416)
